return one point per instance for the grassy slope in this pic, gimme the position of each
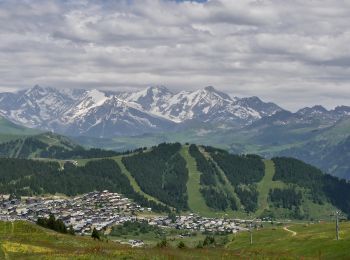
(7, 127)
(23, 240)
(49, 139)
(265, 185)
(311, 241)
(10, 131)
(196, 201)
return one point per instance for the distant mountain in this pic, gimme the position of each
(37, 146)
(98, 113)
(205, 105)
(9, 128)
(49, 145)
(11, 131)
(329, 149)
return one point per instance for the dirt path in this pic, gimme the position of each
(291, 231)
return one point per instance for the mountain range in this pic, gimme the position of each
(109, 114)
(128, 120)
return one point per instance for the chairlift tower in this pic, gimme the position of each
(251, 233)
(337, 214)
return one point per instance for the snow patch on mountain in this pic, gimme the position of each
(105, 113)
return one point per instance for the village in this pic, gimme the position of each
(102, 210)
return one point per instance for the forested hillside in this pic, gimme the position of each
(49, 145)
(210, 180)
(319, 187)
(161, 177)
(161, 173)
(29, 177)
(243, 172)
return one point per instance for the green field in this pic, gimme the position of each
(23, 240)
(310, 241)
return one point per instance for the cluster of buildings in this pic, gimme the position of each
(102, 210)
(194, 222)
(99, 210)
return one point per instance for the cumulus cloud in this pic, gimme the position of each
(292, 52)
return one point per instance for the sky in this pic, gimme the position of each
(292, 52)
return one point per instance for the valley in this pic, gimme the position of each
(170, 200)
(174, 129)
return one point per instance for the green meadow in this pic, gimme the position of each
(23, 240)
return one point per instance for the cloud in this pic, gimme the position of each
(293, 52)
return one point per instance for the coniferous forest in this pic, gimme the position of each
(209, 178)
(162, 172)
(243, 172)
(32, 177)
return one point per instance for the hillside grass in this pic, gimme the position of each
(24, 240)
(196, 201)
(10, 131)
(265, 185)
(318, 211)
(311, 241)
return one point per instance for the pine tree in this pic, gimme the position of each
(71, 230)
(95, 234)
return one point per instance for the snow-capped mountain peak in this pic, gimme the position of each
(105, 113)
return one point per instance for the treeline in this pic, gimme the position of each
(207, 168)
(285, 198)
(209, 177)
(248, 196)
(33, 146)
(21, 148)
(135, 228)
(241, 169)
(161, 173)
(29, 177)
(58, 152)
(36, 146)
(322, 187)
(55, 224)
(218, 200)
